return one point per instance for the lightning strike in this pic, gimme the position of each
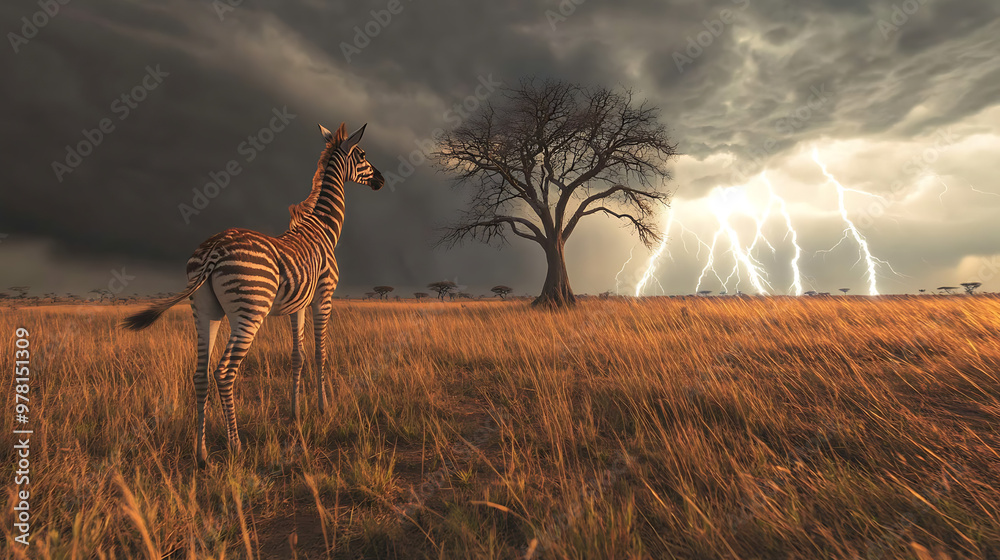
(709, 263)
(941, 196)
(783, 208)
(726, 202)
(974, 189)
(617, 281)
(655, 257)
(866, 254)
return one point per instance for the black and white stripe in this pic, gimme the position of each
(245, 276)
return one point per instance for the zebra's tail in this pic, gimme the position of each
(148, 316)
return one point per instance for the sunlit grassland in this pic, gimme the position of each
(841, 427)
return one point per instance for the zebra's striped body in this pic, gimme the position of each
(245, 276)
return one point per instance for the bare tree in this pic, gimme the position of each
(947, 289)
(501, 291)
(442, 288)
(383, 291)
(970, 287)
(548, 155)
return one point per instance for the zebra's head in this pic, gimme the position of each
(359, 170)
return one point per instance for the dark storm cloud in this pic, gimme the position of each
(227, 74)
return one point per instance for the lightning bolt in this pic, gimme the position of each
(655, 257)
(709, 263)
(974, 189)
(851, 230)
(617, 281)
(730, 201)
(753, 267)
(941, 196)
(783, 208)
(724, 203)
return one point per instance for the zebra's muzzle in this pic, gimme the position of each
(377, 181)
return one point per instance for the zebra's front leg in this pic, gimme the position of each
(321, 316)
(298, 328)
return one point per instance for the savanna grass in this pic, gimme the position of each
(841, 427)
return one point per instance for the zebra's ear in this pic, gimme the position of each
(341, 134)
(327, 135)
(349, 144)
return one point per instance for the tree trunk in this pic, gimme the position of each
(556, 291)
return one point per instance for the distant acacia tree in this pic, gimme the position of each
(104, 293)
(22, 291)
(947, 289)
(420, 295)
(704, 292)
(463, 295)
(443, 288)
(921, 290)
(383, 291)
(810, 293)
(549, 154)
(370, 295)
(844, 290)
(501, 291)
(970, 287)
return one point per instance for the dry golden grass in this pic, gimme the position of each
(664, 428)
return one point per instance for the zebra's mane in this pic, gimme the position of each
(299, 211)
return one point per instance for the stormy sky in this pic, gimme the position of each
(899, 99)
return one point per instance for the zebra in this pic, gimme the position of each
(245, 275)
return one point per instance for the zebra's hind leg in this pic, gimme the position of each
(298, 328)
(208, 315)
(244, 329)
